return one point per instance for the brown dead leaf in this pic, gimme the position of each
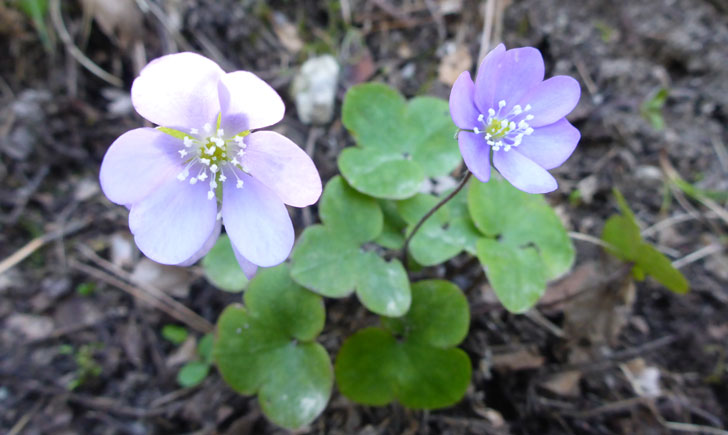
(170, 279)
(120, 20)
(29, 326)
(564, 384)
(456, 60)
(185, 352)
(521, 359)
(287, 33)
(560, 292)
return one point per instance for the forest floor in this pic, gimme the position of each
(599, 355)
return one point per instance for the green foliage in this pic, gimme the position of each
(86, 365)
(222, 269)
(195, 371)
(175, 334)
(411, 359)
(268, 347)
(86, 288)
(622, 234)
(399, 142)
(445, 234)
(651, 108)
(37, 10)
(336, 258)
(525, 243)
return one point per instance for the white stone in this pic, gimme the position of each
(314, 89)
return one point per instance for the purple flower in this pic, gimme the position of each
(516, 115)
(173, 178)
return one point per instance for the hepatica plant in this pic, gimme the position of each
(208, 164)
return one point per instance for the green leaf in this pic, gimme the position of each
(411, 359)
(399, 143)
(175, 334)
(268, 347)
(335, 259)
(392, 236)
(204, 348)
(445, 234)
(516, 274)
(521, 228)
(37, 10)
(625, 242)
(222, 269)
(192, 373)
(651, 108)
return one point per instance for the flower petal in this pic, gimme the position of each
(523, 173)
(178, 91)
(173, 223)
(486, 80)
(551, 145)
(462, 107)
(209, 243)
(476, 154)
(283, 167)
(256, 221)
(519, 70)
(551, 100)
(137, 163)
(248, 102)
(249, 269)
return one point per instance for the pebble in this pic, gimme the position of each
(314, 89)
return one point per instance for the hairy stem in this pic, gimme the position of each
(437, 206)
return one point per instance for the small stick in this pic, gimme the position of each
(487, 35)
(37, 243)
(703, 252)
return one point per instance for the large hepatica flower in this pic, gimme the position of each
(511, 113)
(207, 166)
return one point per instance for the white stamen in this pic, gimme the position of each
(202, 177)
(529, 117)
(205, 162)
(480, 118)
(476, 130)
(491, 112)
(194, 131)
(210, 194)
(207, 127)
(501, 104)
(222, 177)
(239, 184)
(527, 108)
(213, 168)
(246, 169)
(220, 132)
(211, 150)
(187, 141)
(235, 161)
(182, 153)
(193, 180)
(517, 110)
(213, 184)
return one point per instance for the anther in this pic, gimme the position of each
(501, 104)
(480, 117)
(182, 153)
(476, 130)
(239, 184)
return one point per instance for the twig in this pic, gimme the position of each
(486, 38)
(703, 252)
(591, 239)
(57, 19)
(193, 321)
(432, 211)
(38, 242)
(586, 77)
(536, 317)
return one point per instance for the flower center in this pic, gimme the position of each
(504, 130)
(212, 157)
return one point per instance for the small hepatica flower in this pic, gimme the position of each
(511, 113)
(207, 166)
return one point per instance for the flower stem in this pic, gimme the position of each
(434, 209)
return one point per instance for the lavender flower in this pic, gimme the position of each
(514, 114)
(172, 178)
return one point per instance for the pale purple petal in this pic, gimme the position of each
(249, 269)
(248, 102)
(178, 91)
(256, 221)
(519, 70)
(476, 154)
(551, 100)
(173, 222)
(486, 80)
(551, 145)
(523, 173)
(283, 167)
(462, 106)
(209, 243)
(137, 163)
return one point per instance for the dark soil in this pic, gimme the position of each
(585, 363)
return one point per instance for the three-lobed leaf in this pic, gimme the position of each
(411, 359)
(525, 245)
(336, 258)
(399, 143)
(222, 269)
(268, 347)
